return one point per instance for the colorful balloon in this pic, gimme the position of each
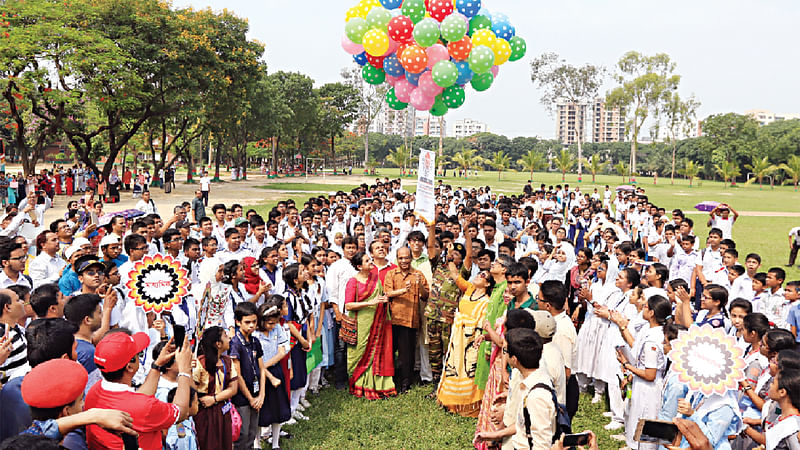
(468, 7)
(376, 42)
(482, 82)
(402, 90)
(414, 59)
(413, 9)
(413, 78)
(392, 66)
(454, 27)
(485, 37)
(391, 4)
(464, 74)
(481, 59)
(400, 29)
(393, 46)
(503, 30)
(444, 74)
(355, 29)
(436, 53)
(420, 101)
(351, 47)
(375, 61)
(439, 108)
(460, 50)
(440, 9)
(479, 22)
(495, 71)
(518, 48)
(379, 17)
(390, 80)
(502, 51)
(454, 96)
(360, 58)
(428, 86)
(373, 75)
(393, 102)
(426, 32)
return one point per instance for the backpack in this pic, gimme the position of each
(563, 420)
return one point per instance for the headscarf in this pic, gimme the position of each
(251, 280)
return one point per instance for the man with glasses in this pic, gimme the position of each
(12, 258)
(12, 309)
(47, 266)
(173, 242)
(133, 318)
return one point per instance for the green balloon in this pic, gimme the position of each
(454, 28)
(439, 108)
(479, 22)
(518, 48)
(393, 102)
(413, 9)
(355, 29)
(454, 96)
(373, 75)
(482, 82)
(426, 32)
(444, 73)
(481, 59)
(379, 18)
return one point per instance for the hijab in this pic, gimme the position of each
(251, 280)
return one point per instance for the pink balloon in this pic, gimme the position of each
(420, 101)
(436, 53)
(402, 89)
(351, 47)
(392, 80)
(495, 70)
(393, 45)
(427, 86)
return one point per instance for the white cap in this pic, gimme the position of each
(71, 250)
(81, 241)
(108, 240)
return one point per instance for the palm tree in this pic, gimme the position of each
(532, 161)
(622, 170)
(401, 157)
(792, 169)
(728, 170)
(595, 165)
(564, 163)
(690, 170)
(467, 159)
(500, 162)
(760, 169)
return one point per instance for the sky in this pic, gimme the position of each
(733, 55)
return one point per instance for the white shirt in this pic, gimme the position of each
(725, 225)
(238, 255)
(205, 183)
(565, 338)
(45, 269)
(339, 273)
(147, 207)
(742, 287)
(5, 281)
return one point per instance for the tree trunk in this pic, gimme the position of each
(333, 151)
(275, 155)
(217, 160)
(441, 153)
(190, 162)
(366, 148)
(674, 148)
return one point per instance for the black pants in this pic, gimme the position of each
(404, 343)
(339, 359)
(205, 200)
(793, 253)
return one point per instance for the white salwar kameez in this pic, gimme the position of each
(648, 349)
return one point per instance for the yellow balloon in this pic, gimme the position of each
(502, 51)
(376, 42)
(352, 13)
(363, 10)
(483, 36)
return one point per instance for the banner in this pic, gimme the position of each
(426, 201)
(157, 283)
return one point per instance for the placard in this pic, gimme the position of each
(425, 200)
(157, 283)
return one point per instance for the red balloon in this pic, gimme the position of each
(401, 29)
(375, 61)
(439, 9)
(460, 50)
(414, 59)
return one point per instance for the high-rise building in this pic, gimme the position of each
(608, 124)
(468, 127)
(570, 122)
(765, 117)
(429, 126)
(401, 123)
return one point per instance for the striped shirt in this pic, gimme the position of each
(16, 365)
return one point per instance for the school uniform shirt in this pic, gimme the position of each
(742, 287)
(565, 338)
(775, 307)
(711, 260)
(552, 362)
(238, 255)
(725, 225)
(683, 264)
(45, 269)
(22, 280)
(793, 317)
(255, 247)
(542, 412)
(247, 352)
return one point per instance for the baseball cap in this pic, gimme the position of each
(86, 261)
(108, 240)
(81, 241)
(118, 349)
(54, 383)
(240, 221)
(545, 323)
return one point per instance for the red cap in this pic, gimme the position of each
(118, 349)
(54, 383)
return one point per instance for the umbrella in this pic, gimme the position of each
(707, 360)
(105, 219)
(706, 206)
(626, 187)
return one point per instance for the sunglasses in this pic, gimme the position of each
(92, 273)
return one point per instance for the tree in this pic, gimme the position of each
(645, 82)
(297, 125)
(729, 137)
(690, 170)
(760, 168)
(563, 82)
(338, 108)
(401, 157)
(467, 159)
(792, 169)
(728, 170)
(532, 161)
(500, 162)
(371, 101)
(622, 170)
(595, 165)
(678, 115)
(564, 163)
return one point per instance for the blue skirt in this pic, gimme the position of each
(276, 401)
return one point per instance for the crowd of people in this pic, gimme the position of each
(507, 307)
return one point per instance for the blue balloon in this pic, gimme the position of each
(392, 66)
(503, 30)
(485, 13)
(361, 58)
(500, 17)
(464, 72)
(413, 78)
(391, 4)
(469, 8)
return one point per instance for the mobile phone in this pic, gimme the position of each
(179, 335)
(656, 431)
(572, 440)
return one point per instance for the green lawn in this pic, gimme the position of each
(311, 187)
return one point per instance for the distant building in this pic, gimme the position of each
(400, 123)
(468, 127)
(765, 117)
(592, 122)
(429, 126)
(608, 124)
(570, 123)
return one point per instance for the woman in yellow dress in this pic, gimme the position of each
(457, 390)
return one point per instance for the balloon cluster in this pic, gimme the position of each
(429, 50)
